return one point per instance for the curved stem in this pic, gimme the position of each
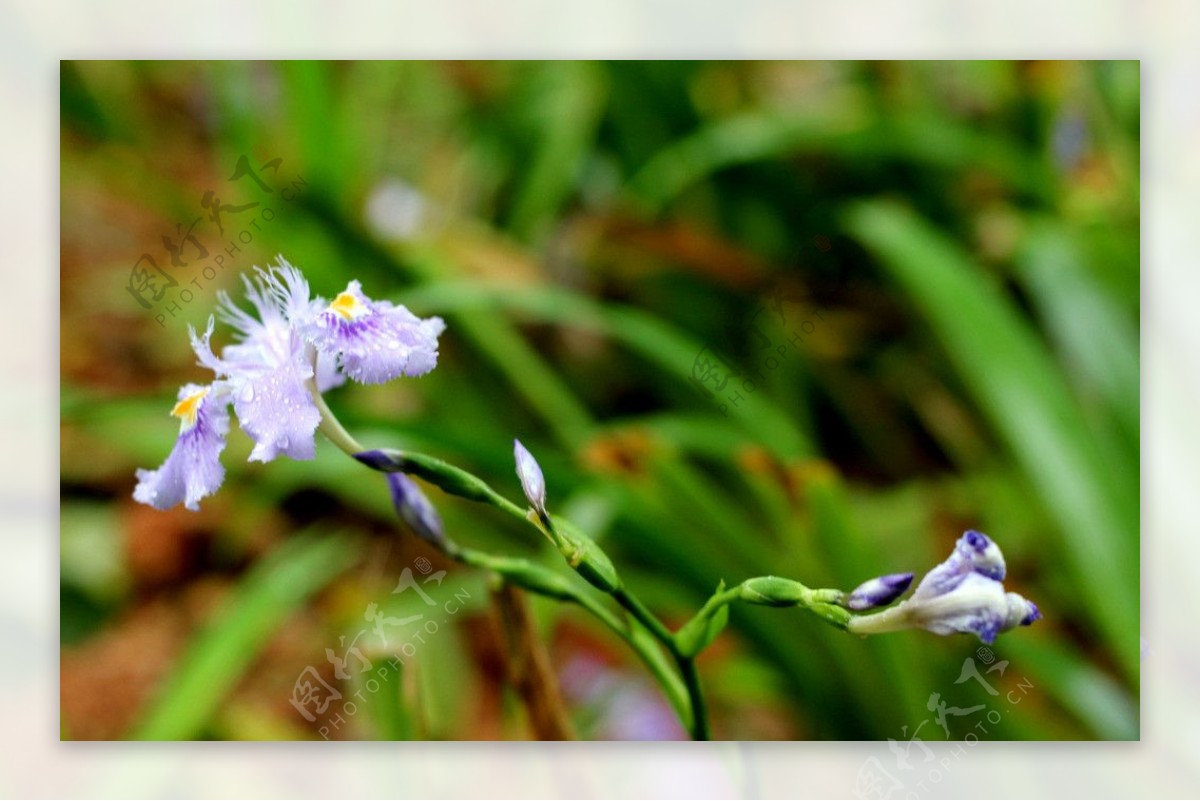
(330, 426)
(645, 617)
(650, 654)
(691, 679)
(687, 665)
(684, 694)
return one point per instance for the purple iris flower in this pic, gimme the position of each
(291, 346)
(374, 340)
(963, 594)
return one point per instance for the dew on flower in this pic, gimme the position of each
(264, 375)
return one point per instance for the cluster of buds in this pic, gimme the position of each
(964, 594)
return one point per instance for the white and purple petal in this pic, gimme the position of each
(374, 341)
(976, 606)
(1021, 612)
(961, 595)
(329, 374)
(193, 470)
(974, 552)
(267, 370)
(275, 409)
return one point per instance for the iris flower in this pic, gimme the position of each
(291, 347)
(963, 594)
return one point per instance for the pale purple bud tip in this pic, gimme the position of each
(879, 591)
(532, 480)
(416, 510)
(1034, 614)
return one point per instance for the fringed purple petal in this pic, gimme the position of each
(267, 368)
(193, 470)
(375, 341)
(275, 409)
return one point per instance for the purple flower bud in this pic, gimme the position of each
(532, 480)
(879, 591)
(963, 594)
(377, 460)
(416, 510)
(973, 553)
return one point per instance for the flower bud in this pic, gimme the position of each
(699, 632)
(962, 594)
(446, 477)
(879, 591)
(774, 591)
(532, 480)
(416, 510)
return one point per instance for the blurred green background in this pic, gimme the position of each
(925, 277)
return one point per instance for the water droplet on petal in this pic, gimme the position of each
(248, 393)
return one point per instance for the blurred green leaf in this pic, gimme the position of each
(219, 655)
(1018, 386)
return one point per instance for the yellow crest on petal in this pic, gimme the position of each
(187, 409)
(348, 306)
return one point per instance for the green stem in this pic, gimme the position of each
(687, 665)
(691, 679)
(330, 426)
(684, 694)
(720, 599)
(651, 655)
(645, 617)
(643, 645)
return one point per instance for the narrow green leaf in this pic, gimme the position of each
(1022, 392)
(221, 653)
